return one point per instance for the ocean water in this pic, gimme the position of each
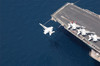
(22, 42)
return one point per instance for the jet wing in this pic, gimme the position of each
(77, 25)
(50, 33)
(45, 31)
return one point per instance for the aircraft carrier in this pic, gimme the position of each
(70, 12)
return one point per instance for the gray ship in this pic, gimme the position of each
(73, 18)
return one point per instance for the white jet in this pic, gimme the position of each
(47, 29)
(93, 37)
(72, 25)
(83, 32)
(69, 25)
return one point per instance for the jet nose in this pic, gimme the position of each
(39, 23)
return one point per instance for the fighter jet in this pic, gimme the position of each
(93, 37)
(83, 32)
(47, 29)
(73, 25)
(69, 25)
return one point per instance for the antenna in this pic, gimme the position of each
(76, 1)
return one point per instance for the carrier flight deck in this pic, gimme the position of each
(83, 17)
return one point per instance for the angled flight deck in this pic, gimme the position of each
(83, 17)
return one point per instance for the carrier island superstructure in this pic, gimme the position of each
(70, 12)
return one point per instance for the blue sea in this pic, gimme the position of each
(22, 42)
